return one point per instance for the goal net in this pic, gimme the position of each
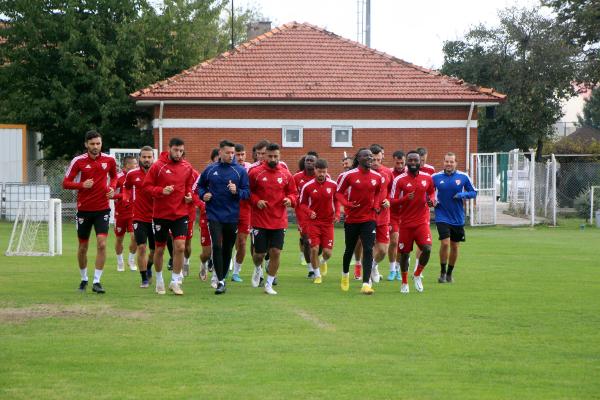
(37, 229)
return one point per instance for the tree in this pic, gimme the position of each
(525, 57)
(581, 22)
(591, 111)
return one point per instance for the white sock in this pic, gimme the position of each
(309, 267)
(267, 264)
(83, 273)
(131, 258)
(186, 261)
(237, 267)
(317, 272)
(175, 277)
(120, 259)
(270, 280)
(159, 277)
(393, 266)
(97, 275)
(345, 274)
(204, 263)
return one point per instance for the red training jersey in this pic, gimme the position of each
(415, 211)
(320, 197)
(383, 218)
(102, 170)
(428, 169)
(166, 172)
(123, 208)
(394, 205)
(245, 205)
(301, 179)
(141, 199)
(359, 191)
(271, 185)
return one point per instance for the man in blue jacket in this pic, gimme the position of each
(222, 185)
(452, 188)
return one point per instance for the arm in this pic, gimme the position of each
(253, 187)
(69, 179)
(341, 199)
(150, 186)
(112, 173)
(202, 184)
(243, 189)
(469, 193)
(290, 191)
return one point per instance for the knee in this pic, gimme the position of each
(142, 248)
(179, 245)
(101, 245)
(326, 253)
(275, 252)
(426, 249)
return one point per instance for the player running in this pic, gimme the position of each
(244, 227)
(306, 173)
(359, 191)
(453, 187)
(415, 193)
(94, 176)
(393, 255)
(170, 181)
(124, 217)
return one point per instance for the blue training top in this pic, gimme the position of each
(451, 190)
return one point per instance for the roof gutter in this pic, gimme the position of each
(468, 152)
(316, 102)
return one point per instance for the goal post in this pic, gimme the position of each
(37, 229)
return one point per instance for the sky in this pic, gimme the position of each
(412, 30)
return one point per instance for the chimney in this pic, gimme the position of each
(257, 28)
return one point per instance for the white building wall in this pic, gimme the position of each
(12, 154)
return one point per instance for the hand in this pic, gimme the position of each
(354, 204)
(167, 190)
(385, 203)
(431, 203)
(262, 204)
(458, 196)
(336, 219)
(88, 183)
(207, 197)
(232, 188)
(287, 202)
(110, 194)
(411, 195)
(313, 215)
(188, 198)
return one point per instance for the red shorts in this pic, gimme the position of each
(394, 224)
(244, 223)
(320, 234)
(123, 225)
(191, 220)
(420, 234)
(382, 234)
(204, 233)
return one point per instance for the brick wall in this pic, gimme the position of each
(199, 142)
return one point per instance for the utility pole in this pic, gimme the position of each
(368, 24)
(232, 31)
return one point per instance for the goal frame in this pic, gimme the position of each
(54, 228)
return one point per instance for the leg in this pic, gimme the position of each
(240, 247)
(216, 236)
(100, 251)
(351, 234)
(178, 249)
(367, 237)
(119, 251)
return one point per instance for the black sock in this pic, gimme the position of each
(443, 269)
(149, 265)
(450, 268)
(144, 275)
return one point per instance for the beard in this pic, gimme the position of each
(272, 164)
(413, 168)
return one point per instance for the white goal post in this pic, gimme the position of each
(37, 229)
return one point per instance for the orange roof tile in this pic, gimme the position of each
(299, 61)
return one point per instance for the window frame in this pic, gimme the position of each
(335, 128)
(285, 143)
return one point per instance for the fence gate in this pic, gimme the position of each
(483, 175)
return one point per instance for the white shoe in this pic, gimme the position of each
(418, 283)
(256, 276)
(160, 288)
(132, 266)
(175, 288)
(120, 267)
(375, 275)
(269, 290)
(214, 281)
(404, 288)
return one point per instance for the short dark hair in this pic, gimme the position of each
(376, 149)
(346, 158)
(422, 151)
(147, 148)
(273, 147)
(355, 160)
(376, 144)
(263, 143)
(92, 134)
(239, 147)
(127, 159)
(398, 154)
(226, 143)
(413, 152)
(321, 163)
(312, 153)
(214, 153)
(175, 141)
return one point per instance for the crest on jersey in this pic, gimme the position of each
(104, 165)
(373, 182)
(457, 182)
(424, 183)
(328, 190)
(279, 180)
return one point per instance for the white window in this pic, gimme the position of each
(341, 136)
(292, 136)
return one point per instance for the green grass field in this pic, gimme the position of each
(522, 321)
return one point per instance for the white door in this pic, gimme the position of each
(483, 175)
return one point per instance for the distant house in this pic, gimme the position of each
(309, 89)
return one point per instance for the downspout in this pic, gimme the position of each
(468, 152)
(160, 127)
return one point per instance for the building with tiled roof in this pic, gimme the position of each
(309, 89)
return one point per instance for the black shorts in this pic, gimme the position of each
(143, 232)
(162, 227)
(456, 233)
(86, 219)
(265, 239)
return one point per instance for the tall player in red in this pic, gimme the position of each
(244, 225)
(428, 169)
(94, 176)
(142, 214)
(382, 236)
(359, 191)
(415, 193)
(399, 168)
(124, 216)
(301, 178)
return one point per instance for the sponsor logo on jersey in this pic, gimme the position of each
(88, 166)
(357, 181)
(215, 173)
(442, 181)
(264, 179)
(137, 179)
(409, 185)
(401, 246)
(168, 171)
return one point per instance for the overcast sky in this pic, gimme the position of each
(411, 30)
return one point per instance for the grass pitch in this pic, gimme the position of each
(521, 321)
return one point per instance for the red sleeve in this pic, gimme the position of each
(291, 191)
(303, 202)
(189, 183)
(341, 198)
(252, 184)
(112, 173)
(431, 189)
(149, 184)
(69, 179)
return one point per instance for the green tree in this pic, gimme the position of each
(581, 22)
(525, 57)
(591, 111)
